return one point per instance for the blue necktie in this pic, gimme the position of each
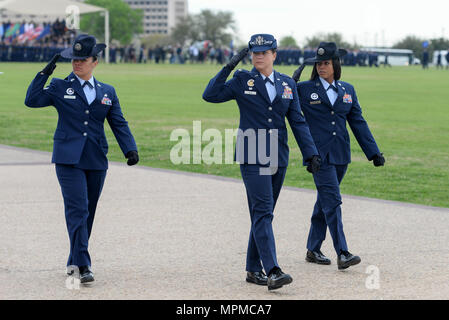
(267, 79)
(88, 84)
(333, 88)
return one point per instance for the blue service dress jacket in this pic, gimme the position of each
(257, 112)
(327, 122)
(79, 138)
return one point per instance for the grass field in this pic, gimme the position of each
(407, 110)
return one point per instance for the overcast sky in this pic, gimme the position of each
(370, 23)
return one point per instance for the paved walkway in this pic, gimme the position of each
(162, 234)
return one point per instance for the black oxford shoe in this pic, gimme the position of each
(346, 259)
(257, 277)
(86, 274)
(278, 279)
(317, 257)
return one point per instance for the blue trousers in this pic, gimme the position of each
(80, 189)
(262, 192)
(327, 210)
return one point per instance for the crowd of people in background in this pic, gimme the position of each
(30, 42)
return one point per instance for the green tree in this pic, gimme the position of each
(314, 41)
(411, 43)
(218, 27)
(124, 22)
(416, 45)
(185, 30)
(288, 41)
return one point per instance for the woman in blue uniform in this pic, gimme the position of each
(328, 104)
(80, 146)
(265, 97)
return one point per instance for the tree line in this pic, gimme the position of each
(218, 27)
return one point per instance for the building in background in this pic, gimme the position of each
(159, 16)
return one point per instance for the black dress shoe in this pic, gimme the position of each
(346, 259)
(277, 279)
(257, 277)
(86, 274)
(317, 257)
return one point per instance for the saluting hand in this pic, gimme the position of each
(378, 160)
(314, 164)
(237, 58)
(51, 65)
(132, 157)
(297, 74)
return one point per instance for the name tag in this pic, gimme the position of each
(253, 93)
(315, 102)
(69, 97)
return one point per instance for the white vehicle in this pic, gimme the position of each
(443, 57)
(396, 57)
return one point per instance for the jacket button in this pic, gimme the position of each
(87, 111)
(86, 123)
(334, 133)
(269, 120)
(270, 131)
(85, 134)
(332, 112)
(270, 108)
(333, 123)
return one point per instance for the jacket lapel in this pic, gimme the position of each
(260, 85)
(322, 93)
(278, 86)
(76, 85)
(341, 92)
(99, 91)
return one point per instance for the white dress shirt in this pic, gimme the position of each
(331, 94)
(88, 91)
(271, 89)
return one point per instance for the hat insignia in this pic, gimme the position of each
(320, 51)
(259, 40)
(78, 46)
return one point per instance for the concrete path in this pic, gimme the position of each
(162, 234)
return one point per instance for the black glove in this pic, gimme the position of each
(132, 157)
(237, 58)
(51, 65)
(314, 164)
(378, 160)
(297, 74)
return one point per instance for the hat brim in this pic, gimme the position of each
(341, 53)
(261, 49)
(69, 54)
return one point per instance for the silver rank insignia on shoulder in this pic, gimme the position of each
(284, 83)
(73, 79)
